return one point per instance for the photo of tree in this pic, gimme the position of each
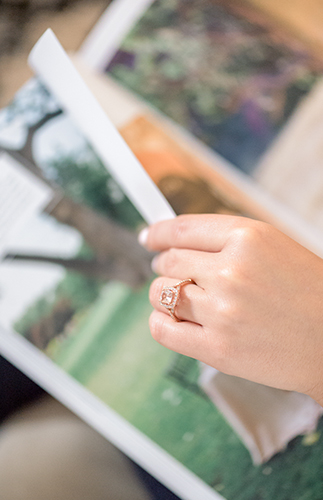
(79, 281)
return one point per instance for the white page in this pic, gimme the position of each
(21, 196)
(110, 30)
(50, 62)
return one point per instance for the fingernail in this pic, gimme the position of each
(143, 236)
(154, 264)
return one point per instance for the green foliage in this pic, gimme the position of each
(80, 290)
(226, 78)
(38, 310)
(86, 180)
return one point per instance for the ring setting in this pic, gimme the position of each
(169, 296)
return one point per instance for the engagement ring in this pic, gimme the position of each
(169, 296)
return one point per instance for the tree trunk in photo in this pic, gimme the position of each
(129, 262)
(24, 155)
(117, 253)
(107, 270)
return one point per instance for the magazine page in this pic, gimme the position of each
(82, 331)
(244, 79)
(161, 146)
(74, 292)
(20, 197)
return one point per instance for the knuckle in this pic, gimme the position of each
(245, 235)
(247, 243)
(251, 233)
(230, 315)
(228, 273)
(231, 276)
(179, 229)
(228, 312)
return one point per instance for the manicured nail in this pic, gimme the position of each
(143, 236)
(154, 264)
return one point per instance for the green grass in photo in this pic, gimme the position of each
(112, 353)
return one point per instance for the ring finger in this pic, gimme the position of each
(184, 300)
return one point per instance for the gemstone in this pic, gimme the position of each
(168, 296)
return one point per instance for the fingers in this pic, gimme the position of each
(189, 306)
(185, 338)
(207, 233)
(181, 264)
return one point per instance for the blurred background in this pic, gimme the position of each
(22, 22)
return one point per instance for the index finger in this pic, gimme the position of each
(207, 232)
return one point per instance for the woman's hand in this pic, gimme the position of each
(256, 310)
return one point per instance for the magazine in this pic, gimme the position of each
(71, 268)
(243, 77)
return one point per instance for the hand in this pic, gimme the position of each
(256, 310)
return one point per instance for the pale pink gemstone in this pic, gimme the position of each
(167, 297)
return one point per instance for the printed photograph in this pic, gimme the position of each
(75, 283)
(222, 70)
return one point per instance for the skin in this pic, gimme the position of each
(256, 310)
